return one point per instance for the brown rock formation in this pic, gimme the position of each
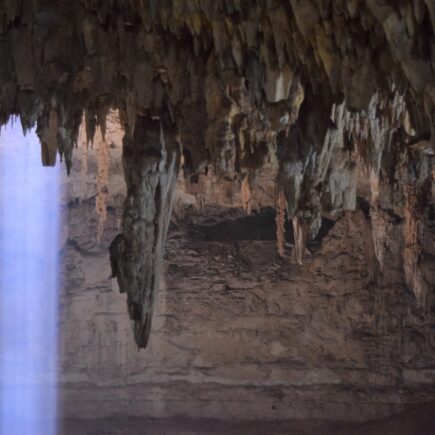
(329, 88)
(151, 162)
(239, 332)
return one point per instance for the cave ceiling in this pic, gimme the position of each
(323, 89)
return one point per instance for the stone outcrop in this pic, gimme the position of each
(151, 162)
(332, 93)
(239, 332)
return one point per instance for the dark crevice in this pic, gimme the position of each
(260, 226)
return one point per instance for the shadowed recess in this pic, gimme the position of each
(257, 226)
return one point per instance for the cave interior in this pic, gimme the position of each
(246, 196)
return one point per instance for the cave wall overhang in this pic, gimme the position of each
(322, 89)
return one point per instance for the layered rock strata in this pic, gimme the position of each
(239, 332)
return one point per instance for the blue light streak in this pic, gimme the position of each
(29, 247)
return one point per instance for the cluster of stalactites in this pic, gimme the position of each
(379, 148)
(241, 80)
(226, 68)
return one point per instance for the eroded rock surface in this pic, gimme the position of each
(240, 332)
(151, 162)
(337, 95)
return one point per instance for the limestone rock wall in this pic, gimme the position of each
(238, 331)
(325, 88)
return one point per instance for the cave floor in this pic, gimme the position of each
(419, 420)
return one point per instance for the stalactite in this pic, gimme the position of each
(413, 235)
(380, 233)
(102, 182)
(82, 144)
(380, 221)
(372, 259)
(151, 162)
(281, 207)
(49, 140)
(246, 194)
(300, 231)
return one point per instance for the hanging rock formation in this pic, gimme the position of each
(340, 94)
(151, 162)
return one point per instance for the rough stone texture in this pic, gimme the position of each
(240, 332)
(323, 88)
(418, 421)
(151, 160)
(320, 109)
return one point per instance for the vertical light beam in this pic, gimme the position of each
(29, 231)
